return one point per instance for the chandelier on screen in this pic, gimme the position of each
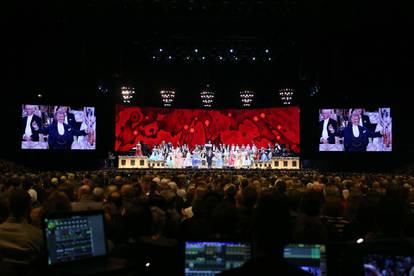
(246, 97)
(167, 97)
(207, 97)
(286, 95)
(127, 93)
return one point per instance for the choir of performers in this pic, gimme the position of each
(211, 155)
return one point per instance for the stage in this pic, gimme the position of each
(141, 162)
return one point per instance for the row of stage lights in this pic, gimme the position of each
(207, 96)
(196, 54)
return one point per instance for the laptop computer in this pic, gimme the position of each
(308, 257)
(212, 257)
(76, 243)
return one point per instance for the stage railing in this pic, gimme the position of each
(142, 162)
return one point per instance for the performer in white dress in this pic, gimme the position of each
(154, 154)
(188, 160)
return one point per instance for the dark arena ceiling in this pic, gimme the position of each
(74, 46)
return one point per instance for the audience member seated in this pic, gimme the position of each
(271, 233)
(20, 242)
(308, 226)
(86, 200)
(56, 203)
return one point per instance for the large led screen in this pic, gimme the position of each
(240, 127)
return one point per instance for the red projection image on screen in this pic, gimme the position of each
(197, 126)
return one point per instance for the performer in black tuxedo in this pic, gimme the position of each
(69, 117)
(60, 134)
(355, 136)
(364, 119)
(110, 161)
(327, 137)
(208, 145)
(277, 150)
(209, 157)
(144, 148)
(29, 133)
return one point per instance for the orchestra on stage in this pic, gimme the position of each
(210, 155)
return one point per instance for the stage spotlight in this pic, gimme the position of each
(161, 50)
(246, 97)
(220, 58)
(269, 59)
(167, 97)
(253, 58)
(203, 58)
(39, 95)
(267, 51)
(286, 95)
(153, 57)
(207, 97)
(169, 57)
(196, 50)
(231, 50)
(127, 93)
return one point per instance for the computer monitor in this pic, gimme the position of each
(74, 236)
(211, 258)
(308, 257)
(385, 264)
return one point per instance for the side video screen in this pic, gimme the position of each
(47, 127)
(355, 129)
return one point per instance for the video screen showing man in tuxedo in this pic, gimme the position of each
(355, 130)
(58, 127)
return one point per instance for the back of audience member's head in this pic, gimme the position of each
(280, 185)
(57, 202)
(333, 207)
(13, 181)
(248, 197)
(169, 197)
(294, 197)
(115, 198)
(224, 220)
(212, 199)
(69, 190)
(271, 223)
(230, 191)
(138, 220)
(83, 190)
(110, 189)
(311, 203)
(158, 220)
(19, 204)
(98, 193)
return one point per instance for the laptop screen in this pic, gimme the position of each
(308, 257)
(74, 237)
(376, 265)
(211, 258)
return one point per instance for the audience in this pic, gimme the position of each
(150, 210)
